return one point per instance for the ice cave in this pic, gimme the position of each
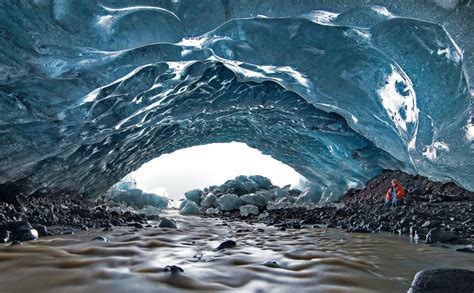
(350, 94)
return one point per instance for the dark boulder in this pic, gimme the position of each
(168, 223)
(20, 230)
(440, 235)
(442, 281)
(42, 230)
(227, 244)
(173, 269)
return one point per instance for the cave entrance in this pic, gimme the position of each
(173, 174)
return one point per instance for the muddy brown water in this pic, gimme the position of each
(309, 260)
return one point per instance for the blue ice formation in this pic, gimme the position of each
(126, 192)
(91, 90)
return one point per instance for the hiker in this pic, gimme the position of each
(395, 194)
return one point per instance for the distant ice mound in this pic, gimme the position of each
(89, 92)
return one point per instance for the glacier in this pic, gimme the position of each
(91, 90)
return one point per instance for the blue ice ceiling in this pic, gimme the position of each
(91, 90)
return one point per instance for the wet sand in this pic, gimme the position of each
(309, 260)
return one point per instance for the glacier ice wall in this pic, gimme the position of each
(91, 90)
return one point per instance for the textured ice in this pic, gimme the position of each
(139, 199)
(126, 192)
(248, 209)
(189, 207)
(194, 195)
(91, 90)
(310, 196)
(261, 181)
(210, 200)
(255, 199)
(229, 202)
(281, 192)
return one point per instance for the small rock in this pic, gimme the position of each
(173, 269)
(425, 224)
(100, 238)
(168, 223)
(271, 264)
(227, 244)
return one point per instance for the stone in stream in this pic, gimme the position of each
(442, 281)
(100, 238)
(227, 244)
(168, 223)
(21, 231)
(173, 269)
(271, 264)
(465, 249)
(439, 235)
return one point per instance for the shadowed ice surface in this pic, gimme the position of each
(89, 91)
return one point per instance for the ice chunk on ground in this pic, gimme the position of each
(280, 203)
(210, 200)
(138, 199)
(255, 199)
(212, 211)
(268, 194)
(229, 202)
(189, 207)
(194, 195)
(261, 181)
(281, 192)
(240, 185)
(308, 197)
(248, 209)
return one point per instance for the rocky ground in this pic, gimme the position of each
(38, 217)
(435, 212)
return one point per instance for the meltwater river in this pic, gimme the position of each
(268, 260)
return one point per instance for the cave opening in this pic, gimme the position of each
(172, 175)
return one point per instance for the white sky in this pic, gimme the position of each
(206, 165)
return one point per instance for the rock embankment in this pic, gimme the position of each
(37, 217)
(434, 212)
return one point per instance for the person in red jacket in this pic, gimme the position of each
(395, 194)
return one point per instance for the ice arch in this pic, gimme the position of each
(338, 97)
